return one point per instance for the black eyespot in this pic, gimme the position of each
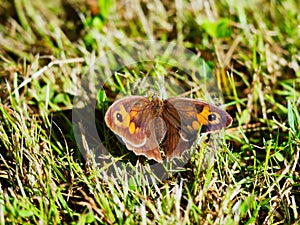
(119, 117)
(212, 117)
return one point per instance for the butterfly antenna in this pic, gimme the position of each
(161, 86)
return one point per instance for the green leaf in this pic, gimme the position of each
(218, 29)
(279, 156)
(291, 117)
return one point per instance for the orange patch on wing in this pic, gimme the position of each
(195, 125)
(137, 129)
(189, 128)
(132, 128)
(133, 113)
(203, 116)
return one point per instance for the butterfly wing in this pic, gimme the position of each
(134, 120)
(142, 123)
(185, 118)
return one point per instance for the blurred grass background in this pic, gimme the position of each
(252, 47)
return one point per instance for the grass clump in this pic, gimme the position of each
(50, 50)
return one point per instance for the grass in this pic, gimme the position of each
(51, 50)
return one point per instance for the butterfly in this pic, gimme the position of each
(148, 125)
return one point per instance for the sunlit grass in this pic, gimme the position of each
(49, 49)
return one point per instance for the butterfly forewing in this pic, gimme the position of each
(198, 115)
(123, 118)
(135, 120)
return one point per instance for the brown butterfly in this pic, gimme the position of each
(147, 125)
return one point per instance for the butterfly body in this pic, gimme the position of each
(147, 125)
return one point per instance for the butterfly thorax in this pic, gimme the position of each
(157, 106)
